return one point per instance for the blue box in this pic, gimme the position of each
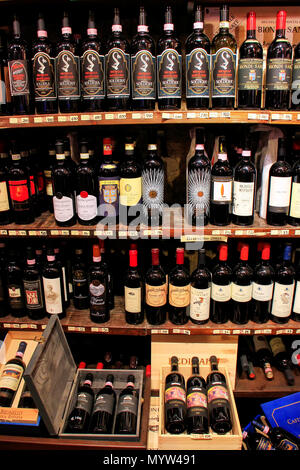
(285, 413)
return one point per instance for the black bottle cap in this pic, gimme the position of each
(41, 26)
(16, 26)
(89, 377)
(22, 347)
(199, 13)
(30, 254)
(142, 16)
(201, 256)
(213, 361)
(131, 379)
(174, 361)
(84, 146)
(195, 361)
(282, 145)
(199, 135)
(116, 20)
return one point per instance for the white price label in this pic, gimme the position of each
(74, 118)
(191, 115)
(49, 118)
(97, 117)
(148, 115)
(262, 332)
(62, 118)
(37, 119)
(136, 116)
(181, 332)
(121, 116)
(221, 332)
(85, 117)
(159, 332)
(287, 331)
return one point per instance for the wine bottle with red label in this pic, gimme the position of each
(221, 288)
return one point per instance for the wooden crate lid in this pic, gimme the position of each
(50, 374)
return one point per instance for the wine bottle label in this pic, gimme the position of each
(109, 192)
(286, 444)
(48, 182)
(63, 207)
(67, 72)
(169, 74)
(217, 392)
(295, 201)
(175, 393)
(128, 404)
(197, 74)
(223, 73)
(19, 194)
(243, 198)
(133, 299)
(264, 444)
(199, 190)
(296, 74)
(104, 402)
(296, 306)
(85, 402)
(277, 346)
(220, 293)
(279, 74)
(80, 285)
(200, 303)
(43, 70)
(53, 298)
(179, 296)
(195, 402)
(3, 72)
(241, 293)
(117, 73)
(33, 294)
(280, 192)
(18, 77)
(282, 300)
(250, 74)
(4, 201)
(130, 191)
(40, 181)
(261, 292)
(143, 76)
(221, 189)
(92, 75)
(97, 292)
(153, 189)
(15, 297)
(65, 283)
(11, 376)
(86, 206)
(156, 296)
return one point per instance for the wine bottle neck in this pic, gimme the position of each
(280, 33)
(251, 34)
(195, 370)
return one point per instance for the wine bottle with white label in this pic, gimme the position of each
(244, 180)
(179, 291)
(296, 301)
(294, 211)
(262, 287)
(86, 188)
(241, 289)
(156, 290)
(200, 291)
(284, 288)
(99, 308)
(53, 285)
(11, 376)
(33, 287)
(133, 291)
(280, 183)
(221, 302)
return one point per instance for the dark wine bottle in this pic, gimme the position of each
(280, 182)
(11, 376)
(43, 71)
(169, 66)
(283, 289)
(5, 96)
(223, 48)
(130, 186)
(86, 188)
(263, 355)
(109, 186)
(153, 187)
(250, 70)
(218, 399)
(200, 291)
(110, 279)
(198, 184)
(294, 211)
(117, 67)
(262, 287)
(156, 291)
(48, 167)
(5, 202)
(244, 180)
(295, 97)
(197, 48)
(53, 285)
(62, 264)
(197, 412)
(279, 67)
(280, 438)
(179, 291)
(175, 400)
(3, 281)
(143, 67)
(221, 188)
(67, 70)
(92, 69)
(133, 291)
(80, 281)
(104, 408)
(14, 284)
(241, 288)
(127, 409)
(28, 164)
(78, 421)
(26, 400)
(281, 359)
(221, 288)
(99, 311)
(33, 287)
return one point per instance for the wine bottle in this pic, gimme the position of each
(294, 211)
(156, 289)
(143, 67)
(3, 280)
(281, 359)
(263, 355)
(175, 400)
(5, 202)
(244, 180)
(223, 48)
(117, 69)
(110, 280)
(221, 288)
(280, 438)
(283, 289)
(86, 188)
(245, 353)
(169, 66)
(33, 287)
(78, 421)
(5, 96)
(63, 189)
(218, 399)
(127, 409)
(279, 67)
(109, 185)
(197, 412)
(250, 70)
(198, 184)
(279, 191)
(107, 360)
(53, 285)
(221, 188)
(198, 58)
(11, 376)
(295, 97)
(48, 167)
(67, 70)
(43, 71)
(104, 408)
(241, 288)
(99, 311)
(19, 71)
(34, 195)
(200, 291)
(40, 180)
(263, 284)
(80, 281)
(62, 265)
(130, 186)
(179, 291)
(14, 284)
(153, 187)
(26, 400)
(133, 291)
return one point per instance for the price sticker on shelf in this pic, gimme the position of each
(221, 332)
(159, 332)
(76, 328)
(191, 238)
(241, 332)
(95, 329)
(239, 232)
(24, 326)
(225, 114)
(148, 115)
(263, 332)
(166, 116)
(191, 115)
(62, 118)
(121, 116)
(49, 119)
(252, 117)
(103, 233)
(109, 116)
(203, 116)
(38, 120)
(13, 120)
(177, 331)
(250, 232)
(97, 117)
(3, 232)
(201, 437)
(177, 116)
(297, 233)
(286, 331)
(263, 117)
(17, 233)
(136, 116)
(24, 120)
(152, 232)
(213, 115)
(85, 117)
(74, 118)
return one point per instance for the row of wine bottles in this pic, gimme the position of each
(116, 75)
(200, 404)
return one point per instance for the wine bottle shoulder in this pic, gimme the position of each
(280, 48)
(197, 40)
(251, 49)
(221, 40)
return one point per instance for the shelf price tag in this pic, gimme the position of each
(37, 233)
(95, 329)
(136, 116)
(262, 332)
(62, 118)
(121, 116)
(76, 328)
(148, 115)
(109, 116)
(24, 120)
(152, 232)
(17, 233)
(166, 116)
(239, 232)
(74, 118)
(177, 116)
(221, 332)
(181, 332)
(191, 115)
(49, 119)
(97, 117)
(85, 117)
(159, 332)
(192, 238)
(3, 232)
(241, 332)
(13, 120)
(213, 115)
(60, 232)
(37, 119)
(225, 114)
(201, 437)
(286, 331)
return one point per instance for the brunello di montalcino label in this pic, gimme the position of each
(223, 73)
(43, 77)
(92, 75)
(169, 74)
(143, 76)
(117, 73)
(197, 73)
(67, 69)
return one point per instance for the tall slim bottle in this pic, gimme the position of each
(179, 291)
(153, 186)
(283, 294)
(241, 289)
(221, 303)
(263, 284)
